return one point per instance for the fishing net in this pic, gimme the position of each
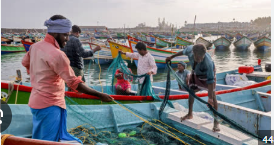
(127, 124)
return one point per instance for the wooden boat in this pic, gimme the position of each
(243, 43)
(206, 34)
(99, 35)
(238, 36)
(16, 39)
(26, 45)
(150, 38)
(250, 109)
(101, 57)
(221, 43)
(253, 37)
(159, 55)
(8, 48)
(5, 40)
(139, 40)
(263, 43)
(182, 42)
(163, 43)
(229, 36)
(201, 40)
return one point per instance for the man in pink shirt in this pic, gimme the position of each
(49, 69)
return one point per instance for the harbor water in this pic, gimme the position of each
(224, 60)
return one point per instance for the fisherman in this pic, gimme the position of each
(75, 52)
(183, 74)
(123, 86)
(49, 68)
(203, 76)
(146, 62)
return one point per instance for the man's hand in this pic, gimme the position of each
(210, 101)
(105, 97)
(150, 73)
(169, 58)
(121, 52)
(98, 48)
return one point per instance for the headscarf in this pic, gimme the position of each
(58, 26)
(183, 64)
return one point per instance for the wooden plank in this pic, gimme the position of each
(227, 134)
(195, 123)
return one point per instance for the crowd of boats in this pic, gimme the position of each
(247, 105)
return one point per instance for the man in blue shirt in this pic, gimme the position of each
(75, 52)
(183, 73)
(203, 76)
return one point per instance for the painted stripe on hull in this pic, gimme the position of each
(263, 48)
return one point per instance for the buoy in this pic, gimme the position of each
(268, 67)
(122, 135)
(246, 69)
(132, 133)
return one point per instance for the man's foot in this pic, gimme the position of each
(216, 127)
(188, 116)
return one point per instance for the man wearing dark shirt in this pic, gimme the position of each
(75, 52)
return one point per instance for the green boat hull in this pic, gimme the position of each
(23, 98)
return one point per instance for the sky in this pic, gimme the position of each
(116, 13)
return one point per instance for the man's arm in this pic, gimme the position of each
(83, 52)
(61, 66)
(83, 88)
(131, 55)
(26, 61)
(175, 55)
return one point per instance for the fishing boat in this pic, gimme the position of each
(263, 43)
(182, 42)
(243, 43)
(203, 41)
(5, 40)
(159, 55)
(150, 38)
(206, 34)
(253, 37)
(26, 45)
(101, 57)
(100, 35)
(162, 43)
(238, 36)
(139, 40)
(229, 37)
(251, 109)
(222, 43)
(11, 48)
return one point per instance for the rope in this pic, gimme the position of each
(100, 72)
(17, 92)
(4, 137)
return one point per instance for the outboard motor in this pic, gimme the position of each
(268, 67)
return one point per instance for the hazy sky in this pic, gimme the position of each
(116, 13)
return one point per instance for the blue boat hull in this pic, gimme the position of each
(6, 52)
(243, 47)
(263, 48)
(221, 47)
